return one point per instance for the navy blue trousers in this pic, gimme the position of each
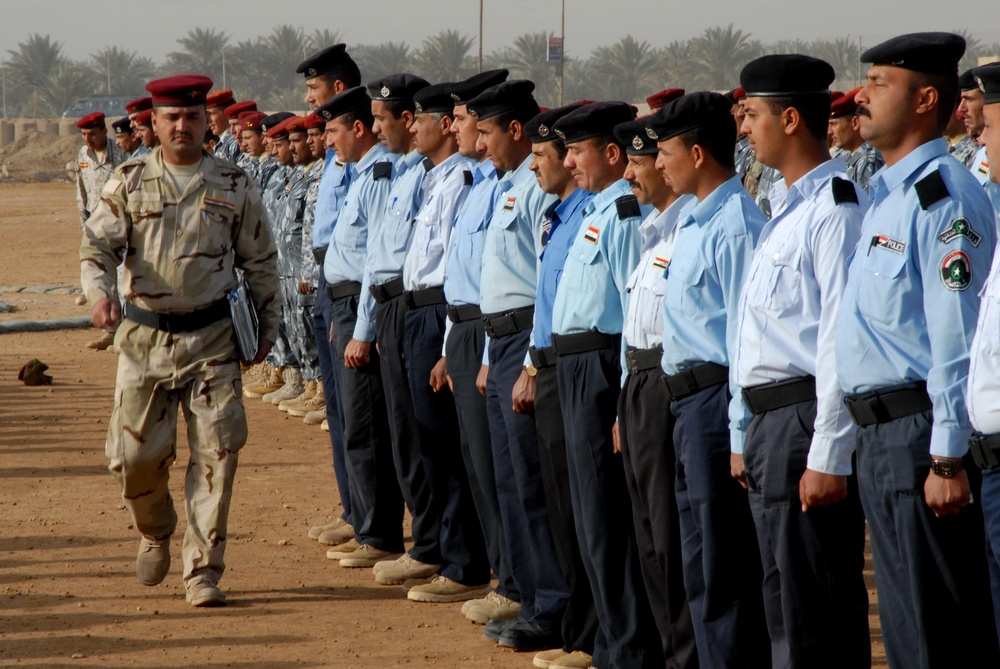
(523, 513)
(589, 385)
(645, 428)
(322, 320)
(815, 597)
(375, 498)
(931, 573)
(463, 548)
(991, 516)
(722, 571)
(411, 479)
(464, 351)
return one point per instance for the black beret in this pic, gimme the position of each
(323, 61)
(967, 82)
(695, 110)
(510, 96)
(123, 125)
(539, 129)
(271, 121)
(786, 75)
(463, 91)
(632, 135)
(987, 78)
(930, 53)
(396, 87)
(343, 103)
(434, 99)
(597, 119)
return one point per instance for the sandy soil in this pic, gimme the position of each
(68, 593)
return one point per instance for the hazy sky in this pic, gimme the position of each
(152, 27)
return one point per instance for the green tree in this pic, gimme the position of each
(445, 56)
(28, 73)
(527, 58)
(844, 54)
(378, 60)
(203, 52)
(718, 55)
(120, 71)
(626, 70)
(69, 81)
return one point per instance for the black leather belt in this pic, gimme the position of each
(583, 342)
(427, 297)
(985, 450)
(640, 359)
(387, 290)
(779, 394)
(459, 313)
(542, 358)
(509, 323)
(189, 322)
(320, 255)
(694, 379)
(888, 404)
(343, 289)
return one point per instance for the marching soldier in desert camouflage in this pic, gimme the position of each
(97, 159)
(182, 220)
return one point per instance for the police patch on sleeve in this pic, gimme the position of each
(960, 228)
(956, 271)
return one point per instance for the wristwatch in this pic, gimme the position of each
(947, 468)
(531, 370)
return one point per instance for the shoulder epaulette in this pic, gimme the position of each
(931, 189)
(628, 207)
(382, 170)
(428, 164)
(467, 175)
(843, 191)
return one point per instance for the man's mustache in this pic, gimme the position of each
(864, 112)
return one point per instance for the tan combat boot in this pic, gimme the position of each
(271, 382)
(315, 403)
(317, 417)
(294, 386)
(104, 343)
(310, 390)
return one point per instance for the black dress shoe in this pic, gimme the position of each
(495, 628)
(527, 636)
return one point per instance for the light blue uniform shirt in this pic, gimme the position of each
(390, 235)
(912, 299)
(715, 242)
(333, 187)
(465, 248)
(789, 305)
(981, 166)
(984, 359)
(591, 295)
(445, 188)
(345, 259)
(563, 219)
(993, 193)
(513, 242)
(643, 326)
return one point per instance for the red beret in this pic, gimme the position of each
(296, 124)
(282, 129)
(183, 90)
(844, 105)
(657, 100)
(92, 120)
(835, 95)
(314, 120)
(220, 98)
(233, 111)
(250, 120)
(739, 93)
(138, 105)
(144, 118)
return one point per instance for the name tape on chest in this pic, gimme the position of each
(888, 243)
(592, 234)
(960, 228)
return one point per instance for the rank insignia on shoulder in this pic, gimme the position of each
(337, 163)
(84, 165)
(467, 177)
(960, 228)
(509, 204)
(956, 271)
(382, 170)
(592, 234)
(628, 207)
(221, 204)
(889, 244)
(843, 191)
(660, 263)
(931, 190)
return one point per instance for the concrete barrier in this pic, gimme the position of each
(23, 127)
(6, 133)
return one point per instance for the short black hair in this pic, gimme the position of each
(522, 115)
(814, 110)
(718, 142)
(363, 114)
(948, 94)
(397, 107)
(346, 71)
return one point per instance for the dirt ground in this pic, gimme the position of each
(68, 592)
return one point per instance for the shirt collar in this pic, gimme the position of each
(661, 223)
(705, 210)
(814, 180)
(370, 158)
(484, 170)
(604, 199)
(893, 177)
(522, 173)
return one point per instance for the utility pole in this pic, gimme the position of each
(224, 68)
(480, 35)
(107, 62)
(562, 61)
(3, 71)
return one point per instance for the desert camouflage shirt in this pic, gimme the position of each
(180, 250)
(310, 270)
(964, 150)
(92, 174)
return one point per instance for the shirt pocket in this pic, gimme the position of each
(349, 232)
(505, 240)
(587, 257)
(880, 293)
(686, 294)
(784, 285)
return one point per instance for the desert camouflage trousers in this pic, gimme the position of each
(297, 316)
(157, 373)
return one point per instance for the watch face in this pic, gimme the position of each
(946, 468)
